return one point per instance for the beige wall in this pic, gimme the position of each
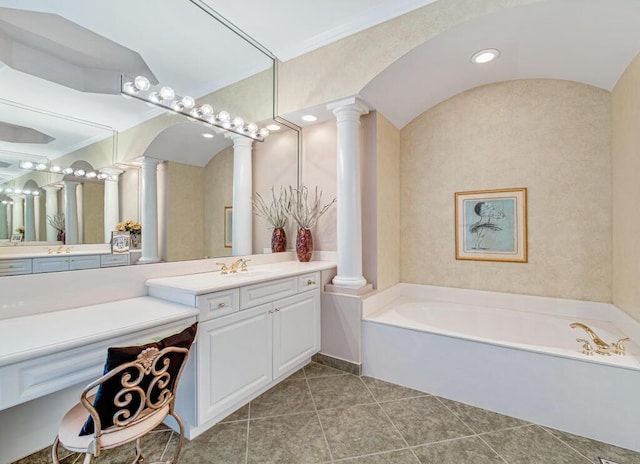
(625, 143)
(93, 212)
(184, 219)
(549, 136)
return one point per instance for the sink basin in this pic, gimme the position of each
(249, 274)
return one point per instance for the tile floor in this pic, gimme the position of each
(323, 415)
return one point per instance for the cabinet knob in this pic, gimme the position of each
(311, 282)
(277, 310)
(222, 305)
(271, 311)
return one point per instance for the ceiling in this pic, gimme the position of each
(589, 41)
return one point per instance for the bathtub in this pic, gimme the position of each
(511, 354)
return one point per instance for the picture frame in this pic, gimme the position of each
(228, 229)
(16, 238)
(491, 225)
(120, 242)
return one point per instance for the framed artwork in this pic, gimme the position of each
(120, 241)
(15, 238)
(491, 225)
(228, 222)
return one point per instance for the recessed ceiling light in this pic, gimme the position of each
(273, 127)
(309, 118)
(207, 135)
(484, 56)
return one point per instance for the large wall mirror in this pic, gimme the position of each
(61, 108)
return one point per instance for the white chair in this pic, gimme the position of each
(143, 396)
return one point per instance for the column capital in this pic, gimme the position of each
(70, 183)
(111, 172)
(239, 140)
(147, 161)
(349, 104)
(51, 188)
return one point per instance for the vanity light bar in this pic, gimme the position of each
(18, 192)
(166, 98)
(42, 167)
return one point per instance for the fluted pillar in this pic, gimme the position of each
(242, 222)
(37, 206)
(4, 224)
(349, 203)
(29, 219)
(51, 206)
(80, 208)
(111, 202)
(70, 212)
(18, 212)
(10, 218)
(149, 211)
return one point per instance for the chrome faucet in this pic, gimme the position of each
(601, 346)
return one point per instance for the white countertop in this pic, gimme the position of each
(207, 282)
(41, 334)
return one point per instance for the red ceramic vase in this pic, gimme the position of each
(304, 245)
(278, 240)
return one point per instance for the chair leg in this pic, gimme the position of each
(139, 457)
(176, 455)
(54, 451)
(88, 457)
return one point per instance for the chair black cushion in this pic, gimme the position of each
(103, 402)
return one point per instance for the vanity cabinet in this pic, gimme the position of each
(60, 262)
(9, 267)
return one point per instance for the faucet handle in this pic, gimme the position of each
(243, 265)
(618, 347)
(586, 346)
(224, 269)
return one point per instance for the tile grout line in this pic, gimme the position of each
(475, 434)
(564, 443)
(315, 408)
(390, 421)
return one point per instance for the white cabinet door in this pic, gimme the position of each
(296, 331)
(234, 359)
(53, 264)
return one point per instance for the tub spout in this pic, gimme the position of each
(602, 346)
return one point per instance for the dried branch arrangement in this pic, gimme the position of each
(277, 212)
(304, 211)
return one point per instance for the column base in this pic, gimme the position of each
(366, 288)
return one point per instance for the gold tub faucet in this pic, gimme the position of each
(601, 346)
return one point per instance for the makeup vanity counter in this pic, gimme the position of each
(255, 329)
(45, 353)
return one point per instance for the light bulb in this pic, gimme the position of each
(79, 172)
(130, 88)
(206, 109)
(102, 176)
(67, 170)
(224, 116)
(27, 192)
(252, 127)
(17, 191)
(167, 93)
(9, 190)
(155, 97)
(91, 174)
(238, 121)
(56, 169)
(41, 166)
(36, 192)
(264, 132)
(142, 83)
(26, 164)
(188, 102)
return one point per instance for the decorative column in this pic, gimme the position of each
(18, 212)
(29, 219)
(242, 222)
(80, 209)
(349, 206)
(70, 212)
(4, 224)
(51, 207)
(149, 211)
(10, 218)
(37, 206)
(111, 202)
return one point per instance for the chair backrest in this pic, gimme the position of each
(139, 388)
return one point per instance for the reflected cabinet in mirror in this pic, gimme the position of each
(73, 144)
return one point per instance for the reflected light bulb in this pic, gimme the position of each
(206, 109)
(238, 121)
(167, 93)
(252, 127)
(142, 83)
(26, 164)
(188, 102)
(41, 166)
(264, 132)
(224, 116)
(56, 169)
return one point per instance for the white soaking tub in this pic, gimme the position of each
(512, 354)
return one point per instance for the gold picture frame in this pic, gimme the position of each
(228, 229)
(491, 225)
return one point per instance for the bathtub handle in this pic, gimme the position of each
(586, 346)
(618, 347)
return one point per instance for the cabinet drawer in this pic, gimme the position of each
(15, 266)
(309, 281)
(266, 292)
(53, 264)
(114, 260)
(84, 262)
(212, 305)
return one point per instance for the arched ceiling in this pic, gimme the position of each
(588, 41)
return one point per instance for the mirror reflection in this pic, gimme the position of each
(72, 148)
